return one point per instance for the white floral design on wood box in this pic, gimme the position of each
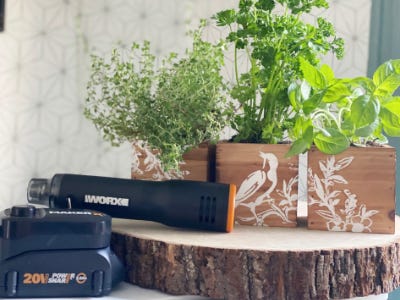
(327, 195)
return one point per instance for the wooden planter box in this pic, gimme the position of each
(352, 191)
(267, 182)
(198, 165)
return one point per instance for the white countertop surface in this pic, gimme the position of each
(125, 291)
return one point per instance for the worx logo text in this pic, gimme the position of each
(106, 200)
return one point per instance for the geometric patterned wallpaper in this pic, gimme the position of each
(44, 59)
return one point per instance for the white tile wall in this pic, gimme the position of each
(44, 57)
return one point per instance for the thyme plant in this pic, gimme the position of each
(171, 109)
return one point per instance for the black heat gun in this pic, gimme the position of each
(180, 203)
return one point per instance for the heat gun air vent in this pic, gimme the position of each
(208, 207)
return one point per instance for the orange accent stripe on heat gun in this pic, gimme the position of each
(230, 218)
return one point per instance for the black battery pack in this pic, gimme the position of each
(56, 253)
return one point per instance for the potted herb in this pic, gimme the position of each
(273, 36)
(345, 123)
(334, 113)
(164, 112)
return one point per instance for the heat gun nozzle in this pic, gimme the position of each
(38, 191)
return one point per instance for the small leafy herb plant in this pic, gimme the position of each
(273, 43)
(169, 109)
(334, 113)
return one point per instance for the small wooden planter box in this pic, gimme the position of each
(197, 165)
(267, 182)
(352, 191)
(200, 163)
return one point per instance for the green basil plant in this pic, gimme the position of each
(333, 113)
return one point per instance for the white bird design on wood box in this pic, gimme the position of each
(256, 180)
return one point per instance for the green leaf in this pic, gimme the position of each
(334, 143)
(265, 4)
(364, 115)
(302, 144)
(390, 116)
(225, 17)
(367, 130)
(387, 78)
(328, 73)
(300, 128)
(396, 64)
(394, 100)
(305, 89)
(362, 85)
(294, 94)
(313, 102)
(313, 76)
(298, 146)
(336, 92)
(391, 130)
(347, 127)
(297, 92)
(379, 136)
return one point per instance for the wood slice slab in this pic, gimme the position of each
(258, 262)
